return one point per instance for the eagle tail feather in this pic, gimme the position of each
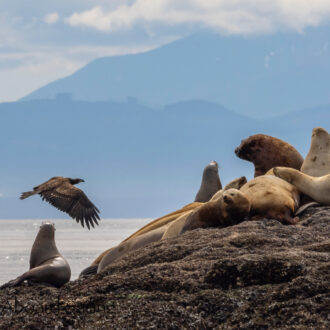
(27, 194)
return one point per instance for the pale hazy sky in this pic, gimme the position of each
(41, 41)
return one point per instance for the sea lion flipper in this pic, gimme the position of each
(91, 270)
(304, 207)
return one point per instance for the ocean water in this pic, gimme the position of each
(78, 245)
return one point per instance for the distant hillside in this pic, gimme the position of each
(137, 161)
(257, 76)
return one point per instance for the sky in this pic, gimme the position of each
(41, 41)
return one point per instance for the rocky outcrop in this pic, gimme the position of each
(255, 275)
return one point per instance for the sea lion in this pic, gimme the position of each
(47, 265)
(266, 152)
(272, 197)
(228, 210)
(160, 222)
(231, 208)
(153, 225)
(210, 183)
(234, 184)
(131, 245)
(317, 161)
(318, 188)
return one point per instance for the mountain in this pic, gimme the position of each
(257, 76)
(136, 161)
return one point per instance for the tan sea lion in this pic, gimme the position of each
(317, 161)
(47, 265)
(210, 183)
(231, 208)
(234, 184)
(318, 188)
(272, 197)
(266, 152)
(228, 210)
(160, 222)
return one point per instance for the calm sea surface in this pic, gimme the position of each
(78, 245)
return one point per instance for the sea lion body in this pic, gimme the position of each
(131, 245)
(272, 197)
(317, 161)
(266, 152)
(318, 188)
(47, 265)
(229, 209)
(210, 183)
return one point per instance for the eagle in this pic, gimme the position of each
(61, 193)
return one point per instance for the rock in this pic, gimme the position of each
(255, 275)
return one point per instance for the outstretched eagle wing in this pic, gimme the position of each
(74, 202)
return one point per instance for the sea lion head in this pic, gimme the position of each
(210, 173)
(320, 139)
(319, 131)
(248, 147)
(47, 230)
(235, 205)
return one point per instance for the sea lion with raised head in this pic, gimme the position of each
(317, 161)
(210, 183)
(47, 265)
(228, 210)
(266, 152)
(272, 198)
(317, 188)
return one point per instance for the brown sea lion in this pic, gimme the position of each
(231, 208)
(273, 198)
(210, 183)
(228, 210)
(266, 152)
(317, 161)
(318, 188)
(47, 265)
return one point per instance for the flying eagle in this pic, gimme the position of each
(61, 193)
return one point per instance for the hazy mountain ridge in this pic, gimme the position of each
(136, 161)
(258, 76)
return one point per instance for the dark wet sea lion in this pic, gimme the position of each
(47, 265)
(210, 183)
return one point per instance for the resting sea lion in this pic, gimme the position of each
(234, 184)
(266, 152)
(160, 222)
(318, 188)
(47, 265)
(210, 183)
(228, 210)
(272, 197)
(231, 208)
(317, 161)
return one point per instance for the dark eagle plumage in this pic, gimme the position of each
(61, 193)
